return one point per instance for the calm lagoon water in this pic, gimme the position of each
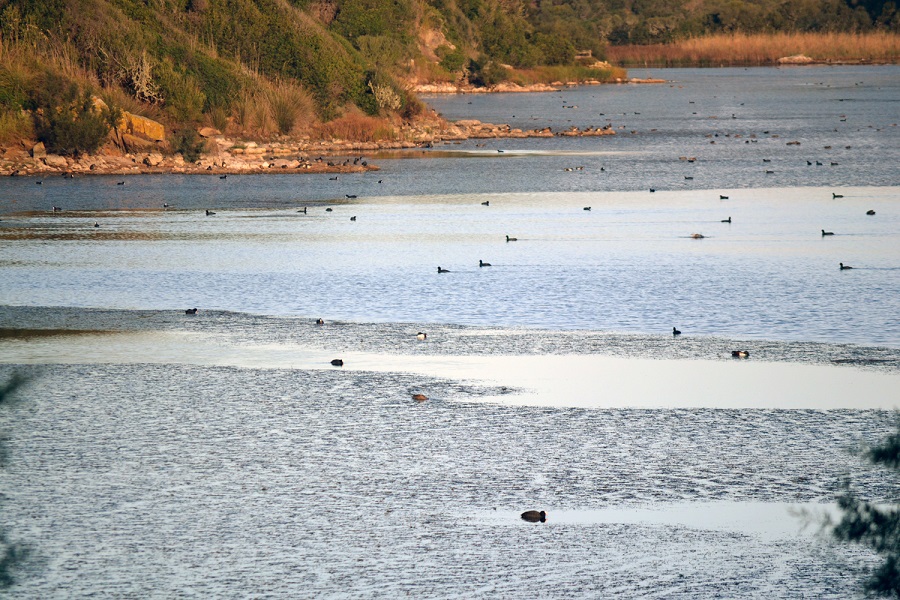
(221, 455)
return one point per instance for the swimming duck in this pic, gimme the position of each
(587, 208)
(209, 213)
(675, 331)
(302, 211)
(120, 183)
(353, 218)
(511, 239)
(481, 263)
(833, 195)
(421, 336)
(328, 209)
(870, 212)
(824, 233)
(440, 270)
(844, 267)
(191, 311)
(350, 196)
(697, 236)
(486, 203)
(728, 220)
(96, 224)
(740, 353)
(337, 362)
(533, 516)
(320, 322)
(721, 197)
(420, 397)
(652, 189)
(223, 176)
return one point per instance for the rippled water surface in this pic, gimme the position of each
(159, 454)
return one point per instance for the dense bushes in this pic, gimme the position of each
(66, 118)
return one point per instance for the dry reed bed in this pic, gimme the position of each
(762, 49)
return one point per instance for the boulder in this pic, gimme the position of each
(137, 125)
(39, 151)
(153, 159)
(797, 59)
(208, 132)
(135, 144)
(56, 161)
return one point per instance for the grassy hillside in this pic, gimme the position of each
(286, 67)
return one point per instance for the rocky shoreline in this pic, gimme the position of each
(227, 155)
(512, 88)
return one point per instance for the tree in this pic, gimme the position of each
(878, 528)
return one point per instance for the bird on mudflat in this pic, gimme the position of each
(533, 516)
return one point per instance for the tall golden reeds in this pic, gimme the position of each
(762, 49)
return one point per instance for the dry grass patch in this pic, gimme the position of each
(762, 49)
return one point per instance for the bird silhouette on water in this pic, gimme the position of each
(440, 270)
(533, 516)
(728, 220)
(845, 267)
(675, 331)
(481, 263)
(511, 239)
(824, 233)
(191, 311)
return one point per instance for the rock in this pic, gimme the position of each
(135, 144)
(797, 59)
(153, 160)
(39, 151)
(137, 125)
(209, 132)
(56, 161)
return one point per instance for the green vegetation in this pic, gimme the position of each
(280, 67)
(874, 526)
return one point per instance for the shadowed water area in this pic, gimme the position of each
(156, 453)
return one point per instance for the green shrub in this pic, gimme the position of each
(66, 119)
(452, 60)
(188, 144)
